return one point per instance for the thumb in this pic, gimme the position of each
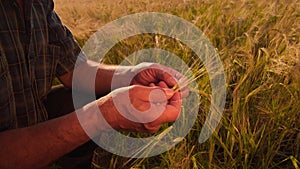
(152, 94)
(168, 92)
(160, 95)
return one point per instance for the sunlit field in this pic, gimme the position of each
(259, 45)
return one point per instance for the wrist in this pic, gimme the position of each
(90, 120)
(122, 76)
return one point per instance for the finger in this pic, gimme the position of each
(131, 126)
(182, 87)
(161, 95)
(152, 85)
(171, 112)
(170, 76)
(149, 128)
(176, 96)
(166, 77)
(168, 92)
(176, 100)
(169, 115)
(162, 84)
(150, 94)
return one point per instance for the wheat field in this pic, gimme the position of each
(259, 45)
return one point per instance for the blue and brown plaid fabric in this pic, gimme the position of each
(34, 48)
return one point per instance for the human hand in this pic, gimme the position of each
(154, 74)
(140, 108)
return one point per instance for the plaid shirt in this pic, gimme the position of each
(34, 48)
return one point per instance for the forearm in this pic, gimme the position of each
(105, 75)
(94, 75)
(39, 145)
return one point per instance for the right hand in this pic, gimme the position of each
(147, 103)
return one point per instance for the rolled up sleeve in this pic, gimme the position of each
(70, 55)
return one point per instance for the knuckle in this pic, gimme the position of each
(135, 88)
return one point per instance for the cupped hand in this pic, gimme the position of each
(140, 108)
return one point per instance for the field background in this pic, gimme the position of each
(258, 42)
